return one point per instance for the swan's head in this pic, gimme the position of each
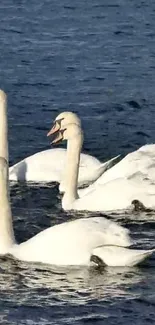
(62, 120)
(70, 132)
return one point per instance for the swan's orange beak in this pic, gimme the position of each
(59, 137)
(55, 128)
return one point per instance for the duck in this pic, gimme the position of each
(48, 165)
(78, 242)
(116, 194)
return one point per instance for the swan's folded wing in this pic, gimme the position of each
(101, 230)
(89, 175)
(142, 160)
(119, 256)
(116, 195)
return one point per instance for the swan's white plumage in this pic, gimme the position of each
(139, 161)
(48, 166)
(4, 126)
(6, 230)
(73, 243)
(114, 195)
(131, 178)
(118, 190)
(121, 256)
(70, 243)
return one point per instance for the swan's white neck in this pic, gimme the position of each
(6, 229)
(72, 170)
(3, 127)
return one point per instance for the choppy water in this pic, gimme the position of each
(96, 58)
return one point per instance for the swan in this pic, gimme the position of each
(140, 162)
(115, 194)
(48, 165)
(78, 242)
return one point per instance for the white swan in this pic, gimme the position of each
(71, 243)
(137, 164)
(78, 242)
(116, 194)
(48, 165)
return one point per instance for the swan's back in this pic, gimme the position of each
(49, 165)
(141, 160)
(72, 242)
(115, 195)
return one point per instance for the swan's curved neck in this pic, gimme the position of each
(72, 170)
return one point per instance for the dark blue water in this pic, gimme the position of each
(96, 58)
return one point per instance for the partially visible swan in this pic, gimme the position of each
(71, 243)
(48, 165)
(116, 194)
(139, 163)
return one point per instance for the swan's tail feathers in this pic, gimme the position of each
(95, 173)
(108, 164)
(119, 256)
(99, 170)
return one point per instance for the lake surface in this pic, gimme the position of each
(96, 58)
